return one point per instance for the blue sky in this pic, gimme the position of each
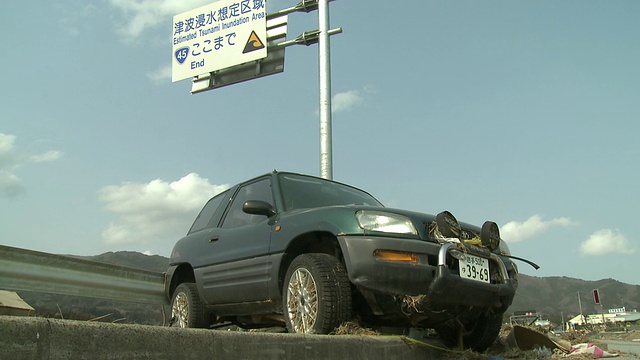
(524, 113)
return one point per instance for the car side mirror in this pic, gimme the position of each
(258, 207)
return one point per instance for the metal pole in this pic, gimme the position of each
(324, 60)
(602, 310)
(582, 319)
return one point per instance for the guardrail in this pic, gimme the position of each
(29, 270)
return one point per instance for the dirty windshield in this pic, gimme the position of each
(302, 192)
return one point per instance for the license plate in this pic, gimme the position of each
(474, 268)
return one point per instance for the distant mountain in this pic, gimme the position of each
(557, 297)
(133, 259)
(552, 297)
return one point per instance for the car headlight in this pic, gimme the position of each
(371, 220)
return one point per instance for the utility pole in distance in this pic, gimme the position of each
(582, 318)
(596, 298)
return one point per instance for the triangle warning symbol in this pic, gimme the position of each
(254, 43)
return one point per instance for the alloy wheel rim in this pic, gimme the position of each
(180, 310)
(302, 301)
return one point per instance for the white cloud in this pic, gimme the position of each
(11, 159)
(141, 15)
(347, 100)
(607, 241)
(10, 185)
(515, 231)
(155, 212)
(51, 155)
(6, 149)
(160, 74)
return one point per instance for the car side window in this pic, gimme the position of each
(259, 190)
(207, 212)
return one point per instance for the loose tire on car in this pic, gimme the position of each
(187, 310)
(316, 296)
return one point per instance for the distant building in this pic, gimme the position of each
(611, 317)
(12, 304)
(628, 317)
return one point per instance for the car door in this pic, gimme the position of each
(236, 269)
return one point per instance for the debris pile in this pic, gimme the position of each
(353, 328)
(527, 339)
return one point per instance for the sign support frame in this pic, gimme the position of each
(253, 69)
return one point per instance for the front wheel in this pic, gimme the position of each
(316, 294)
(187, 310)
(478, 334)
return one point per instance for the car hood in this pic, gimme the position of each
(343, 221)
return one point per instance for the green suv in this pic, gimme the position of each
(309, 253)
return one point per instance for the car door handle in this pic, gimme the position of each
(214, 239)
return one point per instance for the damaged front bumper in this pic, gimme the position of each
(449, 287)
(432, 282)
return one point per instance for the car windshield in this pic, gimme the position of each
(303, 192)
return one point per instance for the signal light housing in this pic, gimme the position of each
(396, 256)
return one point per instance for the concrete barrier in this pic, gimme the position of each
(53, 339)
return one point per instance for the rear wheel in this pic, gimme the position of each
(187, 310)
(316, 294)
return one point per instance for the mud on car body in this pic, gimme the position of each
(313, 253)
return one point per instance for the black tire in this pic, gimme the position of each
(187, 310)
(478, 335)
(316, 294)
